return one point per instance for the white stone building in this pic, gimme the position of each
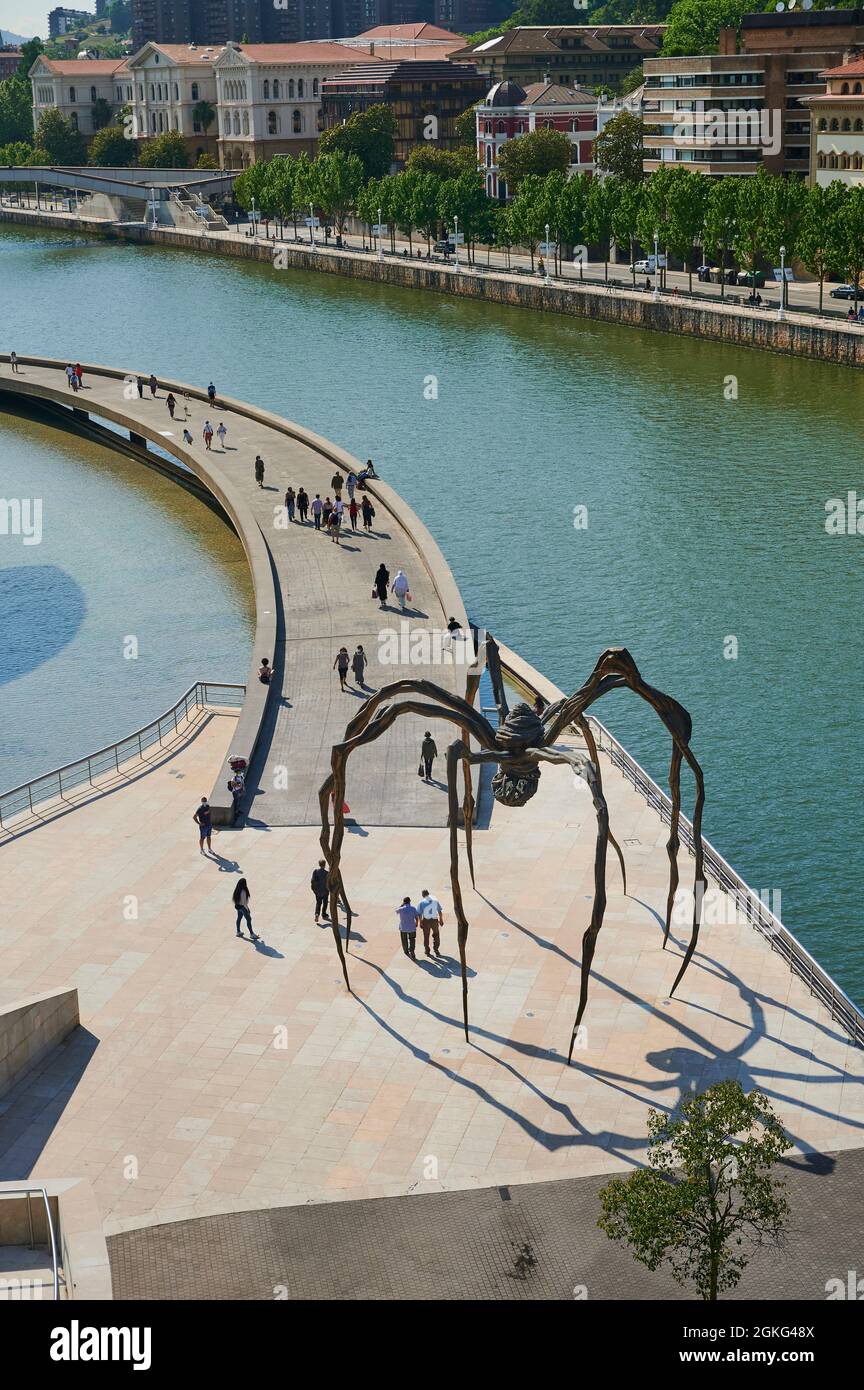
(169, 80)
(837, 126)
(75, 85)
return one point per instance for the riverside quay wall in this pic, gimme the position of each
(800, 335)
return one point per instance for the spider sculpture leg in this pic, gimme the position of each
(591, 744)
(673, 841)
(365, 729)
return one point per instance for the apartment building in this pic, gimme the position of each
(584, 55)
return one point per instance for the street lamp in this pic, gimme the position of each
(780, 313)
(312, 227)
(253, 217)
(656, 265)
(546, 262)
(380, 247)
(456, 238)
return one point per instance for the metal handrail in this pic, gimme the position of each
(781, 939)
(201, 695)
(27, 1191)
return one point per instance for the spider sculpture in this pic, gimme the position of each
(522, 741)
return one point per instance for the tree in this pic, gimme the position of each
(16, 110)
(600, 211)
(688, 191)
(524, 214)
(464, 198)
(850, 235)
(445, 164)
(653, 218)
(403, 204)
(548, 205)
(465, 127)
(572, 212)
(540, 152)
(167, 151)
(273, 189)
(109, 148)
(368, 203)
(426, 189)
(626, 217)
(337, 179)
(784, 211)
(618, 147)
(59, 137)
(721, 220)
(751, 226)
(100, 113)
(368, 134)
(707, 1196)
(203, 114)
(206, 161)
(694, 25)
(819, 237)
(17, 152)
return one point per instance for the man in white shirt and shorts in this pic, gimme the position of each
(431, 920)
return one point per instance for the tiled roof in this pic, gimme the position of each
(184, 53)
(553, 94)
(853, 69)
(409, 31)
(80, 67)
(382, 72)
(544, 39)
(310, 52)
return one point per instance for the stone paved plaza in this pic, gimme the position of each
(211, 1075)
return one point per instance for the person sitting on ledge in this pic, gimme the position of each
(367, 472)
(265, 671)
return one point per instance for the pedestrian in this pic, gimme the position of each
(317, 508)
(428, 754)
(341, 665)
(400, 588)
(265, 671)
(259, 470)
(326, 509)
(153, 385)
(335, 525)
(431, 915)
(79, 372)
(381, 581)
(70, 372)
(339, 508)
(290, 503)
(236, 787)
(318, 884)
(223, 435)
(240, 898)
(303, 505)
(406, 916)
(358, 666)
(336, 483)
(368, 513)
(187, 436)
(73, 380)
(208, 435)
(351, 483)
(453, 626)
(171, 403)
(211, 393)
(139, 382)
(185, 405)
(203, 818)
(352, 512)
(13, 360)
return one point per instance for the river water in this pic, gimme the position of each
(589, 485)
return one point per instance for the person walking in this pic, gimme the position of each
(431, 915)
(368, 513)
(382, 580)
(208, 435)
(203, 818)
(336, 483)
(265, 671)
(358, 666)
(326, 509)
(70, 372)
(13, 362)
(318, 885)
(303, 505)
(171, 402)
(259, 470)
(350, 484)
(79, 372)
(407, 918)
(223, 435)
(400, 588)
(154, 385)
(341, 665)
(352, 512)
(290, 502)
(240, 898)
(187, 436)
(139, 382)
(317, 508)
(236, 786)
(211, 393)
(73, 382)
(428, 754)
(335, 525)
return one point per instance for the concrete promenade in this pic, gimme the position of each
(312, 596)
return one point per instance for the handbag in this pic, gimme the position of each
(374, 593)
(421, 771)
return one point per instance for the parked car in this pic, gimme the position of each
(443, 248)
(754, 278)
(649, 265)
(846, 292)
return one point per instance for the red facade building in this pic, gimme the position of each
(510, 110)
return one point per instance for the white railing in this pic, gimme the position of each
(49, 1220)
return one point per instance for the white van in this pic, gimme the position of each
(649, 266)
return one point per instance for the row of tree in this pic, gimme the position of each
(731, 220)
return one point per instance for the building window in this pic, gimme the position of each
(823, 124)
(74, 120)
(296, 122)
(832, 161)
(859, 124)
(820, 161)
(236, 122)
(844, 161)
(245, 122)
(300, 86)
(93, 94)
(152, 92)
(266, 90)
(847, 124)
(176, 126)
(194, 91)
(834, 124)
(71, 93)
(176, 92)
(276, 90)
(272, 123)
(291, 87)
(856, 161)
(152, 122)
(488, 156)
(500, 127)
(857, 89)
(844, 90)
(315, 86)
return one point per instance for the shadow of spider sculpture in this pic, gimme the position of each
(522, 741)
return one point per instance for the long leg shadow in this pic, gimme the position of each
(33, 1107)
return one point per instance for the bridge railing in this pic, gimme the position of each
(58, 783)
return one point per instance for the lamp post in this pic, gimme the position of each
(656, 265)
(456, 238)
(380, 247)
(254, 224)
(312, 227)
(780, 313)
(546, 262)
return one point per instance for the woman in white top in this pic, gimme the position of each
(400, 587)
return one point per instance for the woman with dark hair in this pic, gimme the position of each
(381, 582)
(240, 898)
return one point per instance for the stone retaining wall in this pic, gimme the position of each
(796, 335)
(31, 1028)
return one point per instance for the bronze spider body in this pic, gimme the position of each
(522, 741)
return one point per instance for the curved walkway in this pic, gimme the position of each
(311, 596)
